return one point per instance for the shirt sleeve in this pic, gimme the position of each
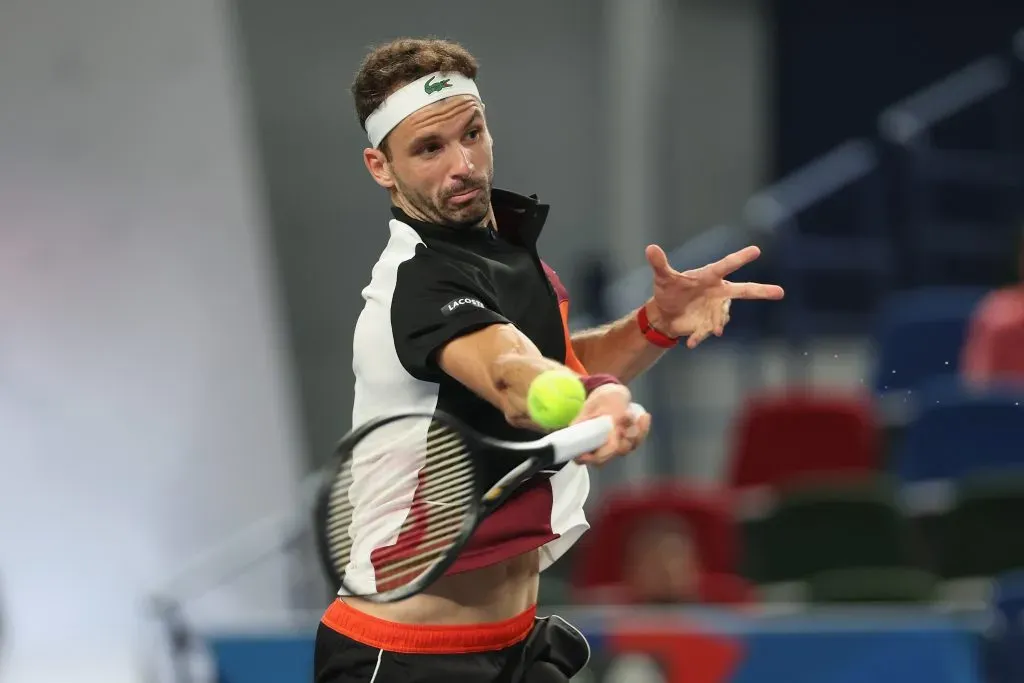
(434, 303)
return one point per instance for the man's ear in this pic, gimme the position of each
(379, 167)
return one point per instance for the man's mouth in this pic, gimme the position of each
(465, 196)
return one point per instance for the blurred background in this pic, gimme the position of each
(833, 492)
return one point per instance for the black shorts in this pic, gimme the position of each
(352, 647)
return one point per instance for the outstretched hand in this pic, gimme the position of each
(695, 303)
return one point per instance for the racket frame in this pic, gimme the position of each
(555, 448)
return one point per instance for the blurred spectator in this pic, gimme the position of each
(661, 564)
(994, 348)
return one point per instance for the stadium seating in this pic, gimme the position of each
(726, 589)
(1003, 644)
(891, 584)
(821, 528)
(959, 430)
(554, 590)
(707, 512)
(920, 335)
(781, 438)
(712, 589)
(983, 533)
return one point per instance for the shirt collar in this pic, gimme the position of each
(520, 220)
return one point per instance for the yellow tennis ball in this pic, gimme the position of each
(555, 398)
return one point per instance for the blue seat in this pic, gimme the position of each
(920, 335)
(1003, 645)
(960, 430)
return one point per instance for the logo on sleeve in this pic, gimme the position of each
(456, 304)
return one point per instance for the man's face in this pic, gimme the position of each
(442, 164)
(662, 566)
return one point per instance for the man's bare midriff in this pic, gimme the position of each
(482, 596)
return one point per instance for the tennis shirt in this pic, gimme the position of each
(433, 284)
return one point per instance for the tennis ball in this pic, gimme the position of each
(555, 398)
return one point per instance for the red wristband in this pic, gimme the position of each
(652, 335)
(591, 382)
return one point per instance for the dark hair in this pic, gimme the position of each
(390, 66)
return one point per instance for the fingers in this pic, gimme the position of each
(754, 290)
(694, 340)
(641, 427)
(627, 436)
(659, 260)
(719, 318)
(606, 452)
(734, 261)
(716, 317)
(611, 400)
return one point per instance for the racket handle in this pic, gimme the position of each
(584, 437)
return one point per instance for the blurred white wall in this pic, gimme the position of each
(145, 406)
(719, 103)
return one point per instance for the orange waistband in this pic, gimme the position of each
(424, 639)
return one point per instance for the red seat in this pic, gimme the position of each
(726, 589)
(787, 436)
(715, 589)
(708, 513)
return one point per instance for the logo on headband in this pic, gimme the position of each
(431, 88)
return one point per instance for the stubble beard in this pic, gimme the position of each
(442, 212)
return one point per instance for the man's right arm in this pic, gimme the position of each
(444, 323)
(497, 363)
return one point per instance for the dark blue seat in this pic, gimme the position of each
(920, 335)
(959, 430)
(1003, 645)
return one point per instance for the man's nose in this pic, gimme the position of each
(462, 164)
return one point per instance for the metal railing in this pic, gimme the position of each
(912, 117)
(923, 168)
(777, 205)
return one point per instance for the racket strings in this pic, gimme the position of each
(425, 479)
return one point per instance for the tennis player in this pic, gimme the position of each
(460, 315)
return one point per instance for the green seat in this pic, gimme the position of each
(882, 585)
(892, 436)
(828, 526)
(985, 530)
(554, 591)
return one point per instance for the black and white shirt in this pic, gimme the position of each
(431, 285)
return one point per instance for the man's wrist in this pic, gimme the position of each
(653, 313)
(592, 382)
(649, 320)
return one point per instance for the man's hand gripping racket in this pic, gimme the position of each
(392, 539)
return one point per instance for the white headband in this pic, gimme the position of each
(412, 97)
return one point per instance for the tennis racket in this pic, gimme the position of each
(405, 493)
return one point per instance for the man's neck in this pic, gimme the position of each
(407, 208)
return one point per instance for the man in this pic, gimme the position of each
(994, 348)
(461, 314)
(661, 564)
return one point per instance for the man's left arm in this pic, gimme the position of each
(691, 305)
(618, 348)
